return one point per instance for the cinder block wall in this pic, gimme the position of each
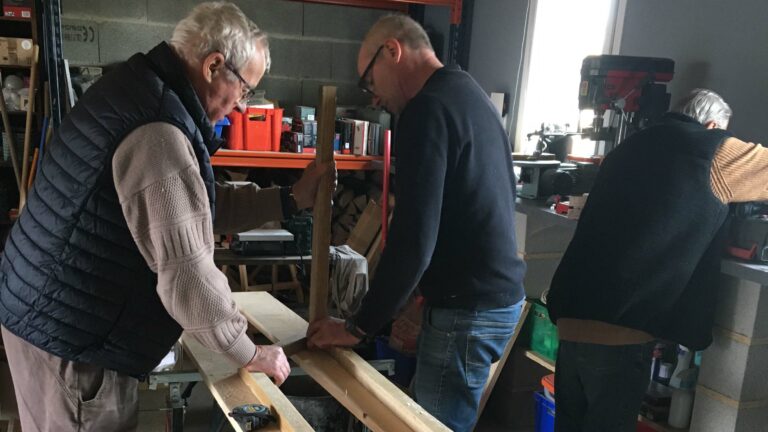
(311, 44)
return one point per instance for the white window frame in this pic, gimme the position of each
(611, 45)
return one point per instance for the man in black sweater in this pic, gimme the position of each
(645, 259)
(452, 230)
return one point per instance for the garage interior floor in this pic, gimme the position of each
(152, 414)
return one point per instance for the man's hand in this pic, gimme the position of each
(305, 190)
(271, 360)
(329, 332)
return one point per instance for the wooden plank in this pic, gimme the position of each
(321, 216)
(374, 255)
(366, 229)
(388, 393)
(288, 418)
(496, 368)
(33, 77)
(368, 395)
(538, 358)
(231, 388)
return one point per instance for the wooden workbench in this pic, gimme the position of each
(227, 257)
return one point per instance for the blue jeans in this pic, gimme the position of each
(599, 388)
(456, 349)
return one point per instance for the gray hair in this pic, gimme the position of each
(401, 27)
(705, 106)
(220, 27)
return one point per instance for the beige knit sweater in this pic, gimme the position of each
(166, 207)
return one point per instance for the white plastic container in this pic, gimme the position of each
(680, 408)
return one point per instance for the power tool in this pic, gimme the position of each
(252, 416)
(633, 88)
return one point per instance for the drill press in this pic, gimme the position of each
(632, 88)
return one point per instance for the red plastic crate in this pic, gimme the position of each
(262, 128)
(235, 131)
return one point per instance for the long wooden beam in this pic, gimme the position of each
(321, 216)
(368, 395)
(231, 388)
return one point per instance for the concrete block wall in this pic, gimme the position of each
(733, 381)
(311, 44)
(734, 365)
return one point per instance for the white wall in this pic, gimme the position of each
(497, 44)
(715, 44)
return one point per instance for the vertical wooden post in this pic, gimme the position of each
(28, 131)
(385, 188)
(321, 217)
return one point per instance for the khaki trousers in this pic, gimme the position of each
(54, 394)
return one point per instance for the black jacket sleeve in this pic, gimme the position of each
(422, 154)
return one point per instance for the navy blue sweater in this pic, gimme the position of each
(453, 228)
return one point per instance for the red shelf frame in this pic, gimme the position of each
(263, 159)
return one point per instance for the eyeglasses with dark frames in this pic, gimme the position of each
(364, 84)
(248, 91)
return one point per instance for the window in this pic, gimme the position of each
(560, 34)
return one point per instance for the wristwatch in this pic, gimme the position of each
(353, 329)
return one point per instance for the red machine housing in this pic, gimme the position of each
(607, 79)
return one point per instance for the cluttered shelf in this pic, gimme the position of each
(265, 159)
(8, 18)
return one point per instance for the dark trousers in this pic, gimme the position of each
(599, 388)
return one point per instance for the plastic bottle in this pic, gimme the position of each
(665, 373)
(684, 356)
(680, 408)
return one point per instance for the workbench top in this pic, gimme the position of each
(540, 208)
(754, 272)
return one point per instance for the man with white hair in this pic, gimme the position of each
(452, 230)
(112, 256)
(645, 259)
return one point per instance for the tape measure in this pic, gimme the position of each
(252, 416)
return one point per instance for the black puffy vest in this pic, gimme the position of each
(72, 280)
(646, 252)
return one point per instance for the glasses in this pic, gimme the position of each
(364, 84)
(248, 91)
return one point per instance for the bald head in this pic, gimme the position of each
(401, 27)
(395, 61)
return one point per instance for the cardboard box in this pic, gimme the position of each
(15, 51)
(23, 102)
(17, 8)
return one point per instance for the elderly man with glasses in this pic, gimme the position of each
(453, 227)
(112, 257)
